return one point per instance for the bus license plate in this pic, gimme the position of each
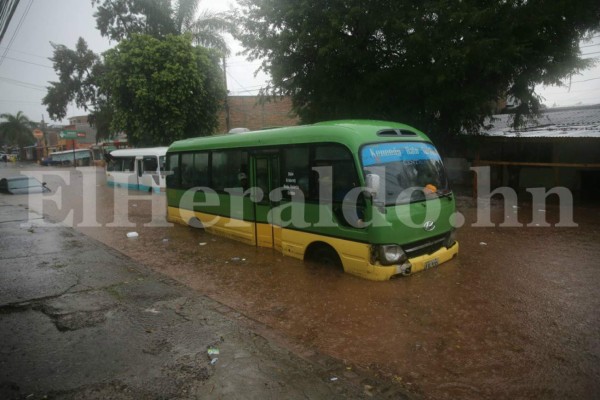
(432, 263)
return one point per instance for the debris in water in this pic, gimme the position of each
(213, 351)
(165, 240)
(541, 210)
(482, 243)
(333, 379)
(202, 244)
(235, 259)
(132, 234)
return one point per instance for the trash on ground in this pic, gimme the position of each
(214, 361)
(165, 240)
(235, 259)
(152, 311)
(132, 234)
(541, 210)
(482, 243)
(202, 243)
(213, 351)
(333, 379)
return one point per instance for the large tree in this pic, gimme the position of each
(17, 129)
(163, 90)
(436, 64)
(82, 73)
(119, 19)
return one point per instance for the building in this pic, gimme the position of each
(560, 148)
(249, 112)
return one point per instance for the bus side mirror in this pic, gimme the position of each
(373, 183)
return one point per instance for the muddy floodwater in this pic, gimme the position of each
(515, 316)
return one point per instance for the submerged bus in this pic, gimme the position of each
(139, 169)
(371, 196)
(77, 157)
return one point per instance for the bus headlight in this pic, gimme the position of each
(391, 254)
(450, 239)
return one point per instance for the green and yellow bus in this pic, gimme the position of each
(371, 196)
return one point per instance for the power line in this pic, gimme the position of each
(28, 62)
(23, 52)
(589, 54)
(7, 11)
(587, 80)
(20, 101)
(14, 35)
(589, 45)
(23, 84)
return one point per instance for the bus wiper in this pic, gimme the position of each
(444, 193)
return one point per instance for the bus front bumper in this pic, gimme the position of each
(413, 265)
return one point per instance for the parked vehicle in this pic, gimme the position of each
(139, 169)
(20, 184)
(78, 157)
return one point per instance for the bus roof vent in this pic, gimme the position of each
(396, 132)
(239, 130)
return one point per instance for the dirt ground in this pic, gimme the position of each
(515, 316)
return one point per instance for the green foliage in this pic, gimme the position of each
(16, 130)
(120, 19)
(79, 72)
(76, 83)
(163, 90)
(436, 64)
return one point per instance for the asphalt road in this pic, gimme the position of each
(81, 320)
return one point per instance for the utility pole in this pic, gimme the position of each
(226, 102)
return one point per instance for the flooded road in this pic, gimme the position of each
(515, 316)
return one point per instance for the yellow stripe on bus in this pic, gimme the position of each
(355, 256)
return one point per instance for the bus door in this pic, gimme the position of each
(266, 178)
(149, 177)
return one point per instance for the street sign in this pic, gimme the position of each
(38, 133)
(71, 134)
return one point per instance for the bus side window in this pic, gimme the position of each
(296, 170)
(342, 176)
(187, 170)
(200, 168)
(173, 180)
(129, 164)
(226, 168)
(150, 164)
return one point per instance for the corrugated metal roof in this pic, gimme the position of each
(572, 122)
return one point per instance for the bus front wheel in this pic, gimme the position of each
(323, 253)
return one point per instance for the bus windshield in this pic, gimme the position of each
(408, 172)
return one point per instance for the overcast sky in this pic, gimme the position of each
(25, 69)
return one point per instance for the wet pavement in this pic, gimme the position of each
(80, 320)
(515, 316)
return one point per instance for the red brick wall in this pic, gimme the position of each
(246, 112)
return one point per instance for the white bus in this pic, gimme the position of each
(140, 169)
(77, 157)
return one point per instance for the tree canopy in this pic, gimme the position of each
(435, 64)
(119, 19)
(116, 102)
(163, 90)
(16, 129)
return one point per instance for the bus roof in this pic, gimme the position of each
(148, 151)
(68, 151)
(352, 133)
